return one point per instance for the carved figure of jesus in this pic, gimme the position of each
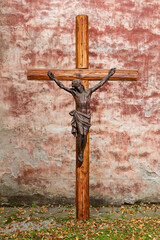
(81, 116)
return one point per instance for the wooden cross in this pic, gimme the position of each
(86, 75)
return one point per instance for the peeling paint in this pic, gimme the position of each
(37, 150)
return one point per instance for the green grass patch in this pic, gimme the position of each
(98, 229)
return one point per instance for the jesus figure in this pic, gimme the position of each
(81, 116)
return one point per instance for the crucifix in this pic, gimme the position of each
(81, 92)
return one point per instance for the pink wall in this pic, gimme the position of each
(37, 150)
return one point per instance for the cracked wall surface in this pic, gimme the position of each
(37, 150)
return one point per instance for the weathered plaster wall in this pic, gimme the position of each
(37, 150)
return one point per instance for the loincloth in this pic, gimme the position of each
(80, 122)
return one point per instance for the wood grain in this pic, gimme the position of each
(83, 74)
(82, 41)
(82, 172)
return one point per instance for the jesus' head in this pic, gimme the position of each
(77, 85)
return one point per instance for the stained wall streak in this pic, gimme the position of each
(37, 150)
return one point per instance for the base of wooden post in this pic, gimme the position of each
(82, 185)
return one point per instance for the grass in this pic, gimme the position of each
(126, 226)
(100, 228)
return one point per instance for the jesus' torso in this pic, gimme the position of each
(82, 100)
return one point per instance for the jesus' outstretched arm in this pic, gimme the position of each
(52, 77)
(111, 72)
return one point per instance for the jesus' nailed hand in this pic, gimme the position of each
(81, 116)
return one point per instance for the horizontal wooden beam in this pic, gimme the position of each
(83, 74)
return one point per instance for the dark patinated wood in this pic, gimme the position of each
(81, 116)
(83, 74)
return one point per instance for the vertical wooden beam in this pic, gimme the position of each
(82, 41)
(82, 172)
